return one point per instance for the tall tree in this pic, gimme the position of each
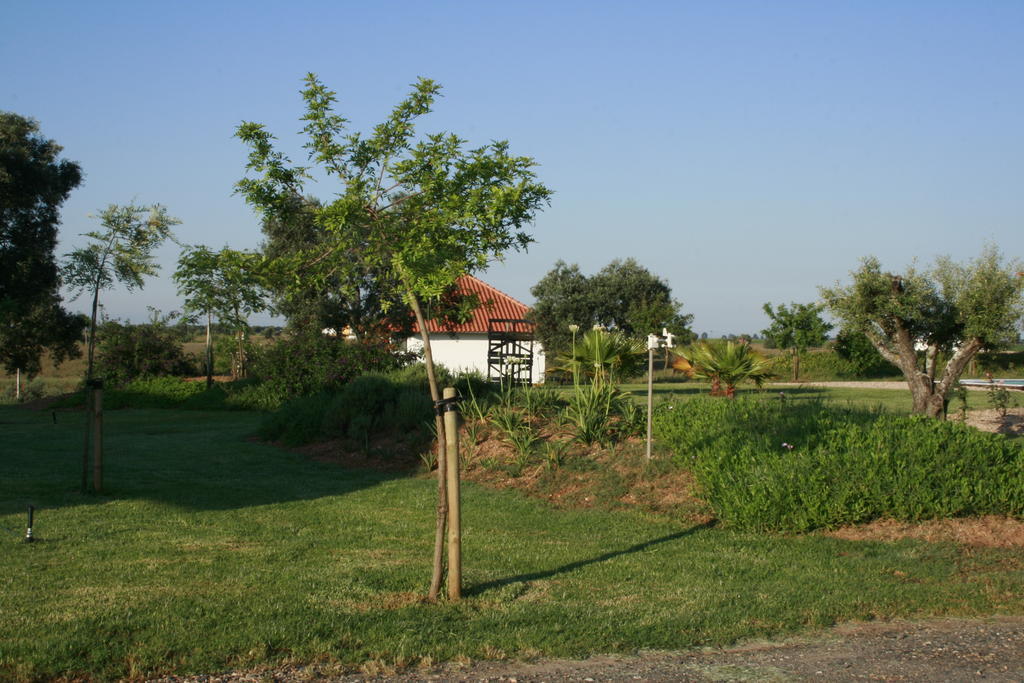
(121, 252)
(623, 295)
(226, 284)
(952, 308)
(631, 298)
(34, 183)
(797, 328)
(364, 302)
(563, 298)
(421, 211)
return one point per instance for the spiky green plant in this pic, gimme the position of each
(727, 364)
(603, 356)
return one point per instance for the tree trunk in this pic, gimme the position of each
(91, 347)
(92, 331)
(239, 372)
(209, 351)
(442, 461)
(929, 395)
(796, 365)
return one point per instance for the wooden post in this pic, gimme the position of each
(17, 385)
(451, 432)
(97, 437)
(88, 433)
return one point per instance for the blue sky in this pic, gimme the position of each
(744, 151)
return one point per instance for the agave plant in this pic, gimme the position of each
(603, 356)
(725, 364)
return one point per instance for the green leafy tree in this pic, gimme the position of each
(225, 284)
(797, 328)
(121, 252)
(623, 295)
(151, 349)
(953, 308)
(34, 183)
(363, 299)
(421, 211)
(563, 298)
(855, 348)
(630, 298)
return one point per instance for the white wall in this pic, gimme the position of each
(469, 352)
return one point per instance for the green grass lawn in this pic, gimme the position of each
(896, 401)
(211, 551)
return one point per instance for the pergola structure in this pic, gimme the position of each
(510, 350)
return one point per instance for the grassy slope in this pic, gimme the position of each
(210, 551)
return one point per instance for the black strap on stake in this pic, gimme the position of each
(446, 405)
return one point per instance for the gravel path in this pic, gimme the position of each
(937, 650)
(844, 385)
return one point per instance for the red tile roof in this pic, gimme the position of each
(493, 304)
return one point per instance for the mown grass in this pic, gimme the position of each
(896, 401)
(210, 551)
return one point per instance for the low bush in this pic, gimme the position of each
(396, 403)
(127, 352)
(827, 365)
(768, 465)
(307, 363)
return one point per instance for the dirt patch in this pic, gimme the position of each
(384, 454)
(574, 475)
(934, 650)
(990, 531)
(991, 421)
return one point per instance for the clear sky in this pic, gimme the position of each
(744, 151)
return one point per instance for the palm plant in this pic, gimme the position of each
(725, 364)
(602, 356)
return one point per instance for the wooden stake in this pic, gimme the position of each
(97, 439)
(451, 432)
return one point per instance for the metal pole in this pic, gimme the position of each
(652, 343)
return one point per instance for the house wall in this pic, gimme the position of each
(468, 351)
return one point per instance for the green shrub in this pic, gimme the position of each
(862, 357)
(298, 421)
(126, 352)
(1004, 364)
(395, 403)
(826, 365)
(763, 464)
(308, 363)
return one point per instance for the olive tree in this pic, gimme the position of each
(420, 210)
(954, 308)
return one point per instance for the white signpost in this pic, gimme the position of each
(654, 342)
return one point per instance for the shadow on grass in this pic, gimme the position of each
(579, 564)
(199, 460)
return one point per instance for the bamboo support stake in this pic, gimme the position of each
(451, 431)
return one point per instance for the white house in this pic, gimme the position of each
(497, 341)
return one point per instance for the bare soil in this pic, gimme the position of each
(989, 649)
